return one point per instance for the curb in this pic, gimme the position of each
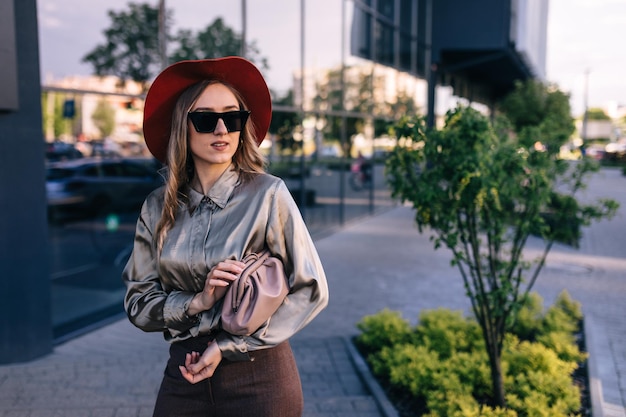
(595, 385)
(384, 405)
(598, 347)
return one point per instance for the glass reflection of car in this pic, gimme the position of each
(61, 151)
(87, 186)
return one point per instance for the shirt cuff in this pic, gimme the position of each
(233, 348)
(175, 312)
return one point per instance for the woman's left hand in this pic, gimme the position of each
(217, 282)
(200, 367)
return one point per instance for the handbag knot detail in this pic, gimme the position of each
(256, 295)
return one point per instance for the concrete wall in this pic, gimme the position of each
(25, 319)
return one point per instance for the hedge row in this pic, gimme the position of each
(441, 365)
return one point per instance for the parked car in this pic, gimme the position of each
(90, 185)
(61, 151)
(332, 151)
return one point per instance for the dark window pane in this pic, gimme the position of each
(59, 173)
(361, 44)
(111, 170)
(386, 8)
(406, 52)
(384, 45)
(130, 170)
(422, 44)
(92, 171)
(406, 15)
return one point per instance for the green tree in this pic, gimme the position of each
(60, 125)
(284, 124)
(539, 114)
(215, 41)
(52, 114)
(131, 50)
(104, 118)
(597, 114)
(483, 190)
(403, 105)
(357, 98)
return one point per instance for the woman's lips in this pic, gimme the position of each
(219, 145)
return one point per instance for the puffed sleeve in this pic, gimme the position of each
(148, 305)
(288, 238)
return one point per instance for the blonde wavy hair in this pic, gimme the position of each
(247, 159)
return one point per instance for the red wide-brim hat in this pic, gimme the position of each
(235, 71)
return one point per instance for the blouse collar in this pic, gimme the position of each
(219, 193)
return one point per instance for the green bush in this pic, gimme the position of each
(538, 383)
(446, 332)
(564, 315)
(386, 328)
(407, 366)
(446, 405)
(564, 345)
(556, 328)
(528, 320)
(442, 364)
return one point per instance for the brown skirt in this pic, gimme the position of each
(267, 386)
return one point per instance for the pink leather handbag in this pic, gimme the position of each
(258, 292)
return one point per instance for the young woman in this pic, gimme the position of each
(205, 119)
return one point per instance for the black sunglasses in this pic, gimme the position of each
(206, 121)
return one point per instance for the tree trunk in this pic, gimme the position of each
(495, 363)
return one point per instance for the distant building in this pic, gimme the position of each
(87, 92)
(377, 85)
(612, 130)
(596, 129)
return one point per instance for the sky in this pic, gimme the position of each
(586, 55)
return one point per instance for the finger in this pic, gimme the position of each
(228, 277)
(239, 264)
(231, 266)
(190, 359)
(187, 375)
(234, 262)
(220, 282)
(197, 368)
(195, 378)
(223, 275)
(204, 373)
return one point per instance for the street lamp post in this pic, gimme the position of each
(302, 69)
(162, 37)
(583, 134)
(244, 24)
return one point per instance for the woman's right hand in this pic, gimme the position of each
(218, 280)
(200, 367)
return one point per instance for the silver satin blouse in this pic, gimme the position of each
(236, 218)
